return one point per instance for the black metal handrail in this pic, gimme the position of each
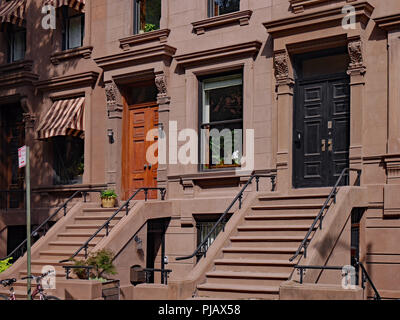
(332, 195)
(202, 248)
(21, 248)
(164, 274)
(68, 270)
(364, 277)
(106, 224)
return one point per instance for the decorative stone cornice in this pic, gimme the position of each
(281, 65)
(82, 52)
(299, 6)
(354, 48)
(131, 57)
(314, 20)
(17, 74)
(240, 17)
(249, 49)
(84, 79)
(160, 36)
(389, 23)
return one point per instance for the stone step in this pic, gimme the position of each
(82, 236)
(280, 230)
(255, 265)
(294, 199)
(287, 208)
(247, 278)
(260, 241)
(213, 290)
(88, 227)
(99, 220)
(274, 253)
(269, 219)
(59, 254)
(61, 245)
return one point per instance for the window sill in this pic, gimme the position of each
(20, 65)
(157, 35)
(298, 6)
(81, 52)
(241, 17)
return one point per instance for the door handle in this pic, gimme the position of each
(330, 145)
(149, 166)
(323, 145)
(145, 166)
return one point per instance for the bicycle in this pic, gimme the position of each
(8, 283)
(38, 290)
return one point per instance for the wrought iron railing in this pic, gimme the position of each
(164, 274)
(202, 248)
(45, 225)
(106, 224)
(364, 275)
(331, 197)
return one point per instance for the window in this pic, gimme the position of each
(17, 44)
(74, 28)
(218, 7)
(221, 121)
(147, 15)
(68, 160)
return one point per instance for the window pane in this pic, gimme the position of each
(137, 95)
(221, 123)
(75, 32)
(224, 6)
(18, 50)
(149, 15)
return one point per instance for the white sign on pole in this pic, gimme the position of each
(22, 157)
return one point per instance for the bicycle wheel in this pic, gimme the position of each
(51, 298)
(3, 297)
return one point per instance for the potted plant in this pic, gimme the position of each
(108, 198)
(102, 263)
(5, 264)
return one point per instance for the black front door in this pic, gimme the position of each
(321, 135)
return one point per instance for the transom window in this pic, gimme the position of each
(218, 7)
(16, 44)
(221, 121)
(74, 28)
(147, 15)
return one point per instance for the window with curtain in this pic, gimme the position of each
(221, 121)
(74, 27)
(16, 44)
(147, 15)
(218, 7)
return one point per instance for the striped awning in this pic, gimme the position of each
(78, 5)
(65, 117)
(13, 12)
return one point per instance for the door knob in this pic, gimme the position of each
(149, 166)
(145, 166)
(323, 145)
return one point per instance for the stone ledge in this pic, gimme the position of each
(158, 35)
(389, 23)
(299, 6)
(241, 17)
(81, 52)
(75, 80)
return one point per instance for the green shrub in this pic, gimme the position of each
(5, 264)
(149, 27)
(101, 260)
(108, 194)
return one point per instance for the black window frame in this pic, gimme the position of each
(66, 18)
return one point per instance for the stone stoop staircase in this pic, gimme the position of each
(257, 259)
(72, 236)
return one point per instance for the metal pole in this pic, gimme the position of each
(28, 221)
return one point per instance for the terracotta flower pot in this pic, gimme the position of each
(108, 202)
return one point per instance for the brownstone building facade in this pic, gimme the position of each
(315, 83)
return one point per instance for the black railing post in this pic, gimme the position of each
(273, 182)
(301, 275)
(257, 180)
(127, 207)
(107, 225)
(67, 271)
(145, 194)
(65, 210)
(86, 251)
(162, 192)
(240, 200)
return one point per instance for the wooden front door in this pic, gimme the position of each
(139, 172)
(321, 132)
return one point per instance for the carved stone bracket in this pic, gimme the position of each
(29, 120)
(355, 51)
(281, 67)
(114, 99)
(161, 84)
